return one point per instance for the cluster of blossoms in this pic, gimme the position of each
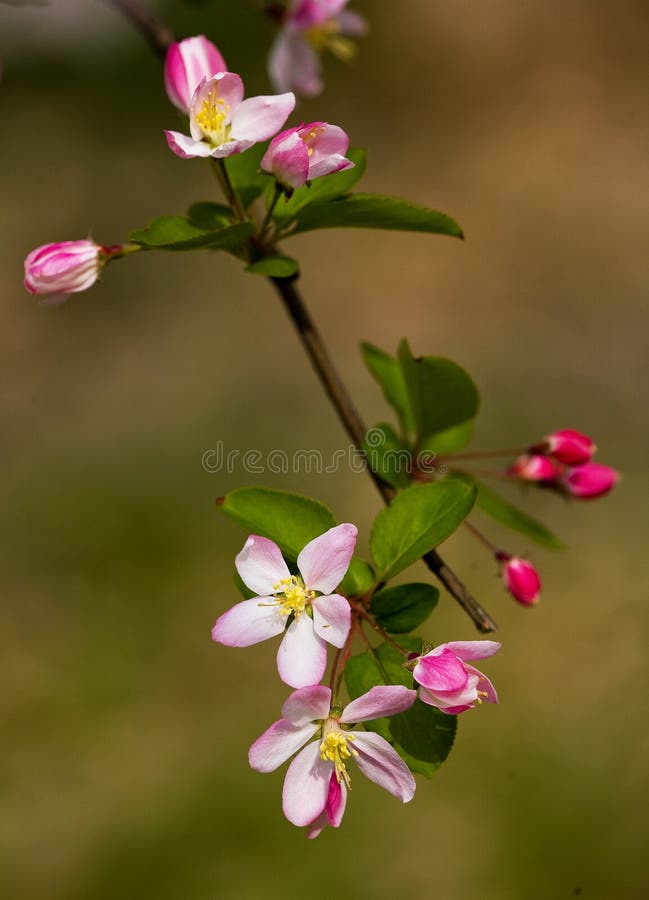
(561, 461)
(221, 123)
(304, 610)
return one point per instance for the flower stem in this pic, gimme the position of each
(480, 536)
(371, 621)
(222, 176)
(269, 212)
(483, 454)
(159, 38)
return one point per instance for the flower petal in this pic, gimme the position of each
(382, 700)
(261, 565)
(287, 158)
(278, 743)
(333, 163)
(248, 623)
(467, 650)
(230, 148)
(302, 655)
(306, 786)
(325, 559)
(307, 704)
(186, 147)
(352, 23)
(484, 684)
(259, 118)
(332, 618)
(441, 672)
(333, 811)
(381, 763)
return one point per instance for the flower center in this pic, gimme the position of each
(309, 136)
(293, 596)
(334, 747)
(211, 117)
(327, 36)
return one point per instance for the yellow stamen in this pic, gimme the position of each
(327, 37)
(334, 747)
(212, 115)
(292, 596)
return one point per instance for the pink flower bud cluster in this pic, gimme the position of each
(563, 460)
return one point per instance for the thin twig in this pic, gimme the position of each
(159, 37)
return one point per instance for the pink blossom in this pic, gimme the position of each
(590, 480)
(221, 122)
(187, 64)
(308, 29)
(317, 780)
(568, 446)
(316, 614)
(66, 267)
(521, 579)
(534, 467)
(301, 154)
(447, 682)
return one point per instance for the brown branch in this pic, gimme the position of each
(155, 32)
(159, 37)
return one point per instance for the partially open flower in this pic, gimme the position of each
(590, 480)
(316, 783)
(521, 579)
(66, 267)
(308, 29)
(223, 123)
(187, 63)
(305, 603)
(301, 154)
(448, 682)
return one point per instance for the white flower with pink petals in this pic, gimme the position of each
(447, 682)
(66, 267)
(316, 615)
(317, 780)
(310, 27)
(222, 123)
(301, 154)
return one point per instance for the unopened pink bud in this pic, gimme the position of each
(533, 467)
(67, 267)
(301, 154)
(187, 64)
(521, 579)
(568, 446)
(590, 480)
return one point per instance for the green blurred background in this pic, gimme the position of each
(124, 729)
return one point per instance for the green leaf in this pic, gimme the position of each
(177, 233)
(359, 579)
(442, 394)
(385, 369)
(245, 173)
(274, 267)
(418, 519)
(449, 440)
(291, 520)
(374, 211)
(209, 216)
(388, 456)
(322, 189)
(500, 509)
(423, 736)
(403, 608)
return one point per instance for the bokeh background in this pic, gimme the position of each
(123, 770)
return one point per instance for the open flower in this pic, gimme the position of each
(310, 27)
(317, 780)
(306, 601)
(221, 122)
(521, 578)
(66, 267)
(187, 63)
(447, 682)
(301, 154)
